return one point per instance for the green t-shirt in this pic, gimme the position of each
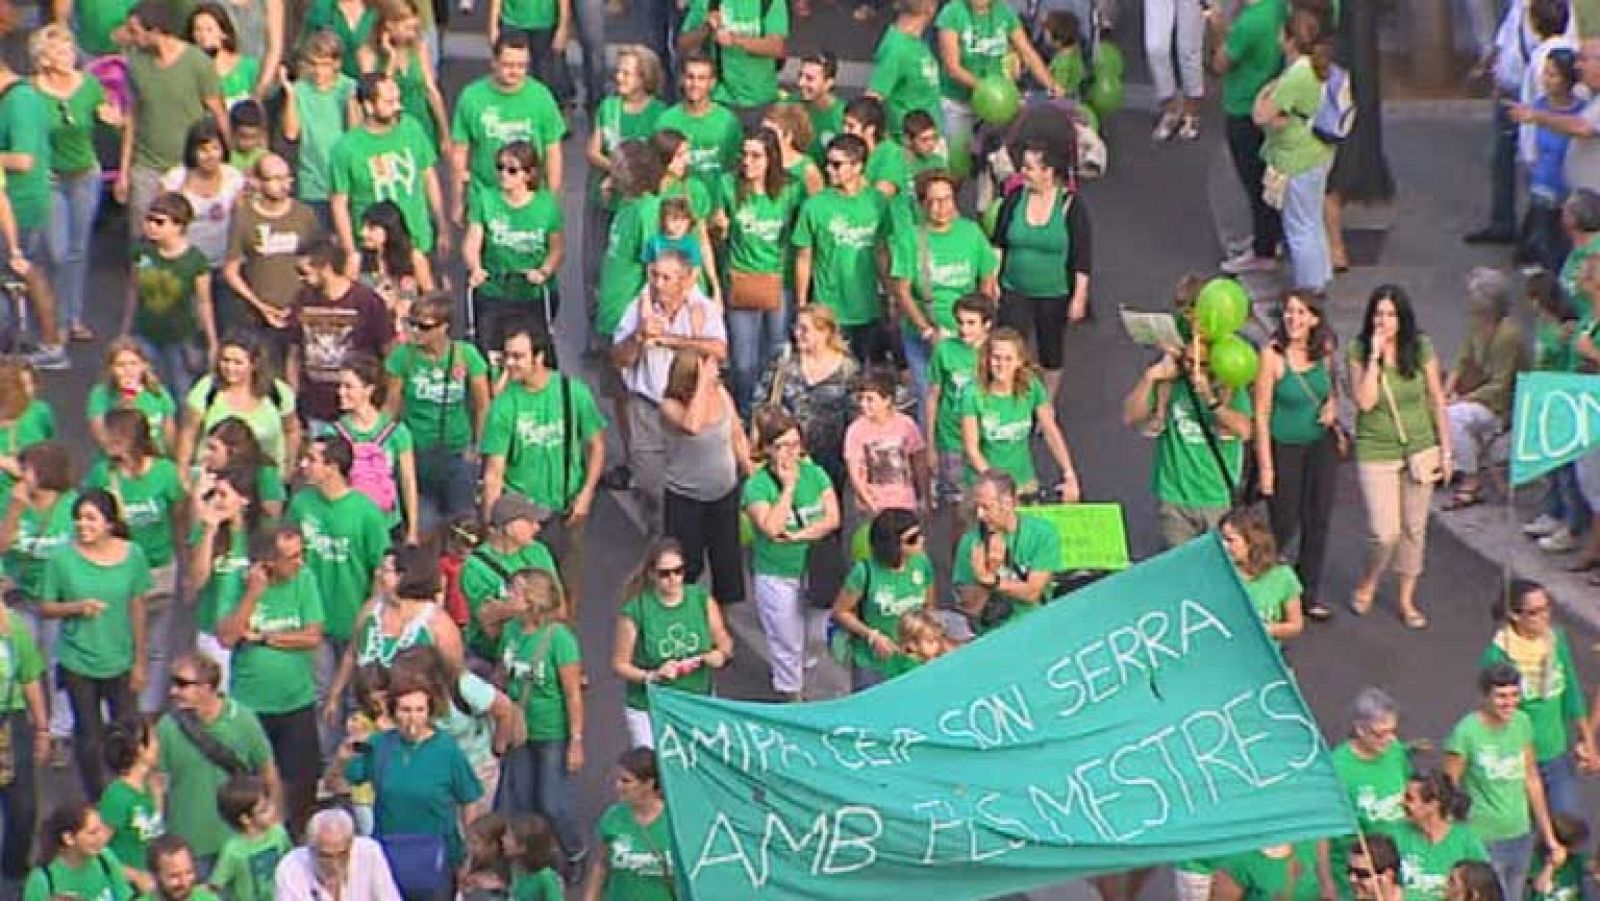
(1425, 866)
(1552, 348)
(1272, 591)
(487, 117)
(1572, 282)
(436, 392)
(96, 21)
(100, 879)
(345, 540)
(1261, 877)
(20, 662)
(618, 124)
(97, 646)
(247, 868)
(134, 819)
(1255, 54)
(155, 403)
(1377, 440)
(843, 234)
(1293, 149)
(759, 226)
(1553, 700)
(1005, 430)
(887, 163)
(545, 451)
(638, 858)
(952, 367)
(984, 38)
(22, 111)
(240, 81)
(743, 79)
(368, 167)
(622, 271)
(670, 633)
(165, 311)
(265, 419)
(193, 780)
(36, 424)
(532, 662)
(275, 680)
(1495, 775)
(167, 101)
(544, 885)
(516, 239)
(786, 558)
(225, 586)
(149, 502)
(40, 533)
(906, 76)
(715, 138)
(72, 126)
(481, 581)
(1034, 546)
(1567, 881)
(324, 116)
(421, 786)
(1376, 787)
(885, 595)
(826, 124)
(1185, 471)
(945, 265)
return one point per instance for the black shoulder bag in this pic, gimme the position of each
(1202, 415)
(220, 755)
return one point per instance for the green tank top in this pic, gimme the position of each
(376, 647)
(1036, 255)
(1297, 401)
(670, 633)
(414, 94)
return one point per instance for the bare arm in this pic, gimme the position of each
(950, 59)
(408, 496)
(494, 481)
(272, 57)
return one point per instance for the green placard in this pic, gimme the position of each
(1092, 535)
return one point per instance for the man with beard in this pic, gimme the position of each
(332, 318)
(269, 231)
(172, 866)
(387, 157)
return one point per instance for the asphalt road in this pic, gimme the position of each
(1151, 227)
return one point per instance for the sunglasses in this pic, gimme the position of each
(837, 164)
(1358, 873)
(181, 682)
(423, 325)
(510, 170)
(669, 572)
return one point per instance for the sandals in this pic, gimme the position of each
(1414, 620)
(1361, 606)
(80, 333)
(1464, 497)
(1319, 611)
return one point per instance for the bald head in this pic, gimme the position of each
(274, 177)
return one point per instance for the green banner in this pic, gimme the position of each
(1555, 420)
(1142, 720)
(1092, 535)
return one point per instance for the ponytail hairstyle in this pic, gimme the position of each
(1307, 31)
(133, 427)
(1436, 787)
(124, 741)
(68, 818)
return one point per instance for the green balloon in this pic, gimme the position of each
(747, 530)
(861, 542)
(1222, 307)
(1234, 361)
(1108, 61)
(996, 100)
(1106, 95)
(991, 216)
(1090, 117)
(960, 159)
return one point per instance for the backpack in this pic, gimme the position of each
(372, 474)
(1336, 112)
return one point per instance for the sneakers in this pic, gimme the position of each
(1247, 261)
(1166, 126)
(50, 357)
(1542, 526)
(1189, 127)
(1558, 542)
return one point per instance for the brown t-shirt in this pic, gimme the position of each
(326, 332)
(268, 248)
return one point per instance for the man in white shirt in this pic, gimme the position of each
(1582, 165)
(335, 864)
(669, 315)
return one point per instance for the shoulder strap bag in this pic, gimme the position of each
(1425, 466)
(220, 755)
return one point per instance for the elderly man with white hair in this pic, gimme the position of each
(335, 864)
(1478, 390)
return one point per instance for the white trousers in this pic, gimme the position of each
(783, 618)
(1472, 428)
(639, 733)
(1163, 18)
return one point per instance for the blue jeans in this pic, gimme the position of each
(1303, 230)
(661, 33)
(1503, 175)
(533, 778)
(754, 336)
(918, 352)
(1510, 859)
(1564, 500)
(446, 480)
(75, 203)
(170, 362)
(1561, 786)
(590, 16)
(19, 803)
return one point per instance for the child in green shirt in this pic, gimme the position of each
(1564, 883)
(249, 858)
(1063, 33)
(131, 805)
(486, 871)
(922, 638)
(950, 370)
(530, 846)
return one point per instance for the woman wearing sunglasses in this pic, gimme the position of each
(515, 243)
(895, 579)
(669, 631)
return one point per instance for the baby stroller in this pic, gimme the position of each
(1058, 124)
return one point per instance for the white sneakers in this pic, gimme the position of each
(1542, 526)
(1558, 542)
